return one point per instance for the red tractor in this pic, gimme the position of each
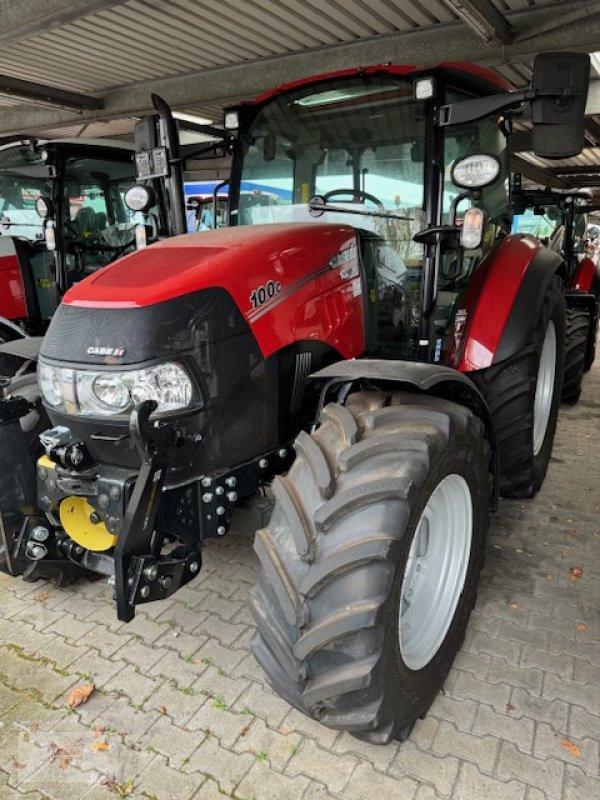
(565, 215)
(379, 349)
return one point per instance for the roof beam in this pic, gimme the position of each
(437, 43)
(28, 17)
(47, 95)
(483, 17)
(589, 169)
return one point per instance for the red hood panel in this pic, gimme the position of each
(231, 258)
(283, 278)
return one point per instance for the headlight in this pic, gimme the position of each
(139, 197)
(117, 393)
(102, 393)
(51, 384)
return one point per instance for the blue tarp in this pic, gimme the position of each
(208, 187)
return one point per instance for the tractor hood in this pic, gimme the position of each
(238, 259)
(284, 283)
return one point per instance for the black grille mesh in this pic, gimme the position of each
(167, 329)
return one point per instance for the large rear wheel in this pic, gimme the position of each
(523, 393)
(370, 564)
(590, 350)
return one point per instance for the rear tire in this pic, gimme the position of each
(590, 350)
(576, 339)
(338, 564)
(511, 388)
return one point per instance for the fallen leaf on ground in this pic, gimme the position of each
(581, 627)
(100, 745)
(575, 573)
(244, 730)
(570, 747)
(510, 707)
(98, 732)
(80, 694)
(285, 731)
(17, 764)
(514, 606)
(162, 710)
(120, 789)
(64, 755)
(549, 578)
(570, 532)
(41, 596)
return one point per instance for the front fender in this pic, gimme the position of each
(432, 379)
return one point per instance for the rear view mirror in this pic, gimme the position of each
(560, 83)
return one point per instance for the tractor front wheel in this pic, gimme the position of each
(370, 563)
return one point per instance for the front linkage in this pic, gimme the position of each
(40, 548)
(125, 515)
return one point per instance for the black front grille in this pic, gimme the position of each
(164, 330)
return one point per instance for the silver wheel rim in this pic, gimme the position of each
(544, 388)
(435, 571)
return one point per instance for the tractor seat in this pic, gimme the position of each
(86, 224)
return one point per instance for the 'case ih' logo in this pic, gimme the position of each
(106, 351)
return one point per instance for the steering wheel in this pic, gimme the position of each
(355, 192)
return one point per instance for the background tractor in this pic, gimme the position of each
(379, 317)
(565, 217)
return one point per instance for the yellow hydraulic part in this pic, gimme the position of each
(75, 518)
(44, 461)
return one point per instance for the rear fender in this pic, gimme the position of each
(433, 379)
(501, 307)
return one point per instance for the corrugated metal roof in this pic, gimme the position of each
(133, 41)
(144, 39)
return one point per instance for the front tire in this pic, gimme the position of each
(370, 564)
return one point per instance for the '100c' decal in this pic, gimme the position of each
(263, 293)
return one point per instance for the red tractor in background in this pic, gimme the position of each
(413, 364)
(566, 213)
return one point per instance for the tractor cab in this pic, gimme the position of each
(360, 148)
(62, 217)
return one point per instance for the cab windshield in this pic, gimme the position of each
(357, 141)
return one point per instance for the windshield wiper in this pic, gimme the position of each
(317, 206)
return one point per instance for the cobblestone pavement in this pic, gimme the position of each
(181, 709)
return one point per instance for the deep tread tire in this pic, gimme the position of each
(590, 350)
(509, 388)
(576, 339)
(333, 558)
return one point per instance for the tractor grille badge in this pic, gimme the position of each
(106, 351)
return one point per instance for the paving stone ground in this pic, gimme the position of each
(181, 709)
